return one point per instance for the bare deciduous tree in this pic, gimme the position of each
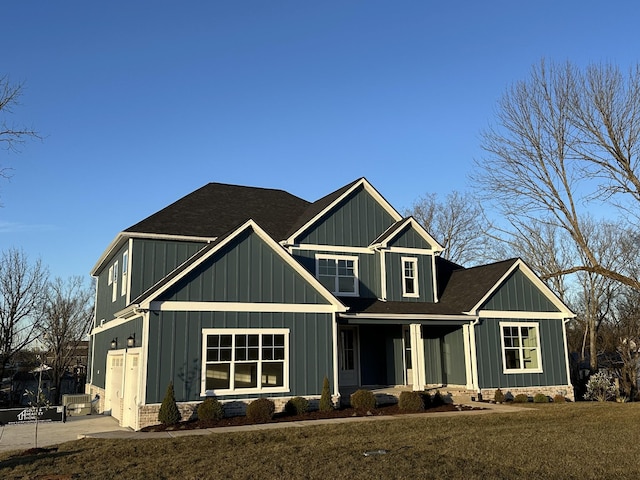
(67, 317)
(458, 223)
(11, 135)
(565, 145)
(22, 296)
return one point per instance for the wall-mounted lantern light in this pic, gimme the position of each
(114, 343)
(131, 341)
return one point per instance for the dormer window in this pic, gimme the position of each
(410, 277)
(339, 274)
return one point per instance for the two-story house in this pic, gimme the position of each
(243, 292)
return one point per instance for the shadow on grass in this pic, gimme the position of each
(29, 456)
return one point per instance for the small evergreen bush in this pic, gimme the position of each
(426, 400)
(540, 398)
(326, 405)
(410, 401)
(297, 406)
(437, 400)
(559, 398)
(169, 413)
(210, 409)
(498, 396)
(363, 400)
(261, 410)
(521, 398)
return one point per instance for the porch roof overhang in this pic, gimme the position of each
(404, 319)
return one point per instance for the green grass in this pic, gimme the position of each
(574, 440)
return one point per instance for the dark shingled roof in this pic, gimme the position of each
(216, 208)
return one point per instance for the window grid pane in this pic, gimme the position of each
(521, 347)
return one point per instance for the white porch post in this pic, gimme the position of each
(474, 356)
(417, 356)
(467, 356)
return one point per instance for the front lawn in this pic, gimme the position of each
(574, 440)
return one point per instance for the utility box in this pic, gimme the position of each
(78, 404)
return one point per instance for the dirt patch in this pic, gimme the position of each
(315, 415)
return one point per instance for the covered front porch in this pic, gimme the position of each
(388, 356)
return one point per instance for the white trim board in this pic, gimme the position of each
(240, 307)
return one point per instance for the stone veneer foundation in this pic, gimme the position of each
(564, 390)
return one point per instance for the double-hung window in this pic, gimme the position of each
(339, 274)
(245, 361)
(521, 347)
(410, 277)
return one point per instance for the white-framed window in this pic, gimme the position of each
(338, 273)
(520, 347)
(125, 270)
(245, 360)
(114, 282)
(110, 280)
(410, 277)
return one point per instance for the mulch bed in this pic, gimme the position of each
(382, 410)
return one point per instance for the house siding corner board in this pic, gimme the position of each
(175, 350)
(491, 373)
(356, 222)
(102, 341)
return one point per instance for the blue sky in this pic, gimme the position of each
(141, 103)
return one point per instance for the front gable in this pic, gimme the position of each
(246, 270)
(518, 293)
(355, 219)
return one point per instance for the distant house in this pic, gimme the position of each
(243, 292)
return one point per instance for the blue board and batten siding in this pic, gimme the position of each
(152, 260)
(410, 238)
(106, 306)
(518, 293)
(245, 271)
(355, 222)
(175, 346)
(394, 267)
(489, 354)
(368, 269)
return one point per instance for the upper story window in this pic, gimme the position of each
(245, 361)
(410, 277)
(339, 274)
(114, 281)
(125, 270)
(521, 347)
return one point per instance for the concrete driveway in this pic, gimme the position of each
(22, 437)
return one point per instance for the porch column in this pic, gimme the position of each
(417, 356)
(466, 335)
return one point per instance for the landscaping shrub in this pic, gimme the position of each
(540, 398)
(326, 405)
(363, 400)
(426, 400)
(498, 396)
(297, 406)
(521, 398)
(169, 413)
(600, 387)
(261, 410)
(411, 402)
(559, 398)
(437, 400)
(210, 409)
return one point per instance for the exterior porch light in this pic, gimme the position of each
(131, 340)
(114, 343)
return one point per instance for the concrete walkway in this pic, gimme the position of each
(21, 437)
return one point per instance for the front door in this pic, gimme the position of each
(113, 385)
(348, 356)
(130, 405)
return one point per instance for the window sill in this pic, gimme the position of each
(522, 370)
(244, 391)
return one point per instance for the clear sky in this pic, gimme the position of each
(140, 103)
